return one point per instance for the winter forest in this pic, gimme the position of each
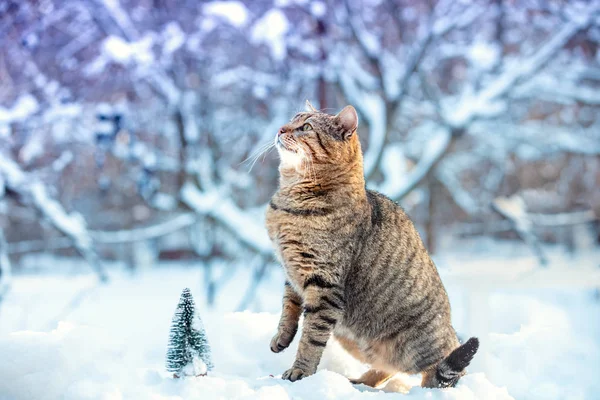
(136, 160)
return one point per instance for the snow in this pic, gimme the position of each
(25, 106)
(234, 12)
(120, 51)
(33, 148)
(270, 29)
(484, 54)
(198, 367)
(173, 37)
(542, 344)
(318, 8)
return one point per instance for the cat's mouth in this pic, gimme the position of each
(281, 144)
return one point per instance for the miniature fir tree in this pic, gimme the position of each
(189, 351)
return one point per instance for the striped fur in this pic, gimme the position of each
(355, 264)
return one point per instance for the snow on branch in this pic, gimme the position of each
(433, 151)
(449, 177)
(145, 233)
(367, 41)
(514, 209)
(379, 110)
(438, 25)
(72, 225)
(121, 18)
(107, 237)
(563, 219)
(248, 229)
(484, 103)
(25, 106)
(557, 90)
(547, 138)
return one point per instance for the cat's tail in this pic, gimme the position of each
(451, 368)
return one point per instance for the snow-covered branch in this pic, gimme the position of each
(109, 237)
(433, 152)
(35, 193)
(378, 110)
(559, 91)
(514, 209)
(120, 17)
(563, 219)
(145, 233)
(249, 230)
(486, 102)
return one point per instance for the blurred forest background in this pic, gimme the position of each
(128, 127)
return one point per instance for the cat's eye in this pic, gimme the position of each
(306, 127)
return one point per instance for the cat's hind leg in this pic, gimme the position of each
(373, 378)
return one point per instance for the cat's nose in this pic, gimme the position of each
(281, 131)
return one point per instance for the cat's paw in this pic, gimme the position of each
(280, 342)
(295, 374)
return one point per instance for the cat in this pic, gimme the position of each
(355, 265)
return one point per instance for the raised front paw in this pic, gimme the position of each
(295, 374)
(280, 342)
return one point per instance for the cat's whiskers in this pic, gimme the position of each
(262, 151)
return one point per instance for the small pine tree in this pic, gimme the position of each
(188, 352)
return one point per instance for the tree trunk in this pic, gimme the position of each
(5, 268)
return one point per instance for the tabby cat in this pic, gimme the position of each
(355, 264)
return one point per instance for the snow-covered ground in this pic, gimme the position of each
(110, 343)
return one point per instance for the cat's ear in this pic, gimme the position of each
(309, 107)
(348, 118)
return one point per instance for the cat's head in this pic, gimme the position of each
(313, 138)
